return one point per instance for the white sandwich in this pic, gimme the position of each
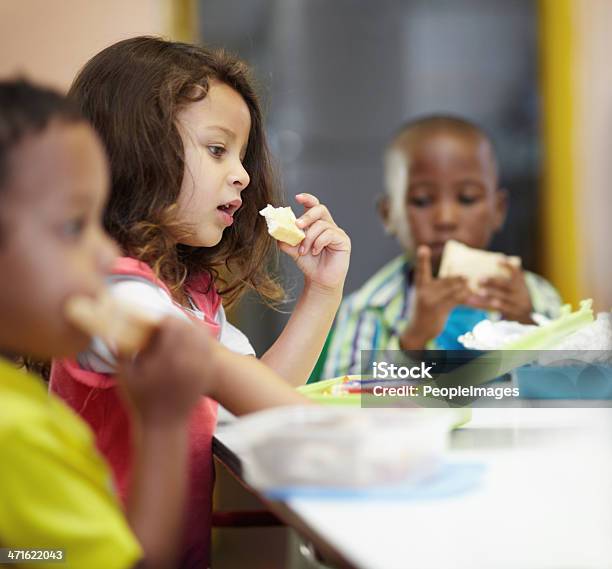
(281, 224)
(459, 260)
(121, 325)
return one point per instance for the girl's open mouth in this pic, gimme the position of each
(227, 211)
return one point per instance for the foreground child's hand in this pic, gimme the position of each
(433, 301)
(323, 256)
(510, 296)
(165, 380)
(162, 384)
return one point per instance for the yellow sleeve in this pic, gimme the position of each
(57, 494)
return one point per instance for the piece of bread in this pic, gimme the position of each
(281, 224)
(123, 326)
(473, 264)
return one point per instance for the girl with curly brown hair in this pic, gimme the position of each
(190, 171)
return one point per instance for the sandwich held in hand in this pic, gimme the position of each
(121, 325)
(459, 260)
(281, 224)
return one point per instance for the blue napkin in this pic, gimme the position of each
(461, 320)
(450, 480)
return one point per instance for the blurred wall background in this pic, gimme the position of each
(51, 40)
(591, 88)
(339, 77)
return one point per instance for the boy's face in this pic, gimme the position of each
(450, 192)
(52, 245)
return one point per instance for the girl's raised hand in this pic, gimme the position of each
(323, 256)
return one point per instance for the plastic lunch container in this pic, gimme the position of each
(338, 447)
(582, 381)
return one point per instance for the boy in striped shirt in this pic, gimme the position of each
(441, 183)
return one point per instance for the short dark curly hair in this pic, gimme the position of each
(440, 122)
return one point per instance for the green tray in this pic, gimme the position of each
(317, 392)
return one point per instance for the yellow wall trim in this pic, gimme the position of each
(559, 247)
(183, 20)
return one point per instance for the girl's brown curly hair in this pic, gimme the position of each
(132, 92)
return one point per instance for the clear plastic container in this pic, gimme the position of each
(338, 447)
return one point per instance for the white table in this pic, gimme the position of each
(545, 501)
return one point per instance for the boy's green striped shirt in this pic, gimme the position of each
(374, 316)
